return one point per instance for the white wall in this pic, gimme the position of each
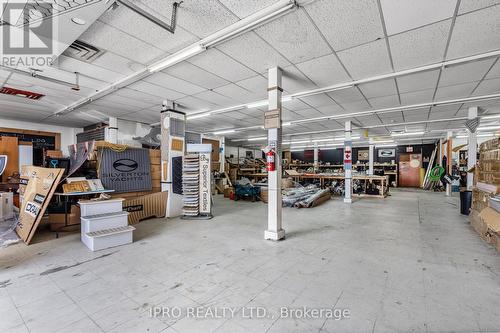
(231, 150)
(68, 134)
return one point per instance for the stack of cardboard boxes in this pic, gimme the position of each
(485, 216)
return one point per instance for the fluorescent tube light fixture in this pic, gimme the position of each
(260, 138)
(407, 133)
(224, 132)
(177, 57)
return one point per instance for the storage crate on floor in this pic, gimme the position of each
(104, 224)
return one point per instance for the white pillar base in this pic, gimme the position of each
(348, 200)
(274, 235)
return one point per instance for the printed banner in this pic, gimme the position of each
(205, 183)
(127, 171)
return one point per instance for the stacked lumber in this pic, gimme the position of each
(485, 214)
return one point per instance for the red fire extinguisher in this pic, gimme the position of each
(271, 164)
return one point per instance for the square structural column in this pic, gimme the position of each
(272, 122)
(173, 128)
(471, 148)
(316, 157)
(449, 159)
(370, 158)
(111, 132)
(348, 162)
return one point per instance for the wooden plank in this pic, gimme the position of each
(9, 146)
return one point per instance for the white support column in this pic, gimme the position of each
(222, 154)
(370, 158)
(274, 219)
(316, 157)
(112, 133)
(472, 149)
(172, 148)
(449, 159)
(348, 162)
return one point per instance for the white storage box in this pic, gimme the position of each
(104, 221)
(104, 239)
(6, 205)
(90, 207)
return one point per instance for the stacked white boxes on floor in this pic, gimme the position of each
(104, 224)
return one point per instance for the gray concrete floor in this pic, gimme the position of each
(410, 262)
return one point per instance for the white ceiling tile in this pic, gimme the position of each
(402, 15)
(384, 102)
(347, 23)
(216, 98)
(132, 102)
(193, 74)
(473, 71)
(246, 8)
(290, 115)
(487, 87)
(96, 70)
(111, 39)
(238, 93)
(141, 28)
(370, 120)
(155, 90)
(218, 63)
(455, 91)
(420, 47)
(366, 60)
(324, 71)
(379, 88)
(418, 81)
(295, 104)
(494, 72)
(294, 81)
(251, 50)
(356, 106)
(470, 5)
(416, 115)
(197, 104)
(475, 33)
(201, 18)
(421, 96)
(331, 109)
(309, 113)
(171, 82)
(128, 93)
(347, 95)
(317, 101)
(295, 37)
(256, 85)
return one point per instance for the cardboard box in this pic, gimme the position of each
(227, 191)
(487, 225)
(264, 195)
(56, 221)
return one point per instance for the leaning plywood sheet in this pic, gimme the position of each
(38, 187)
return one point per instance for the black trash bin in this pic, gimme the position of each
(465, 202)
